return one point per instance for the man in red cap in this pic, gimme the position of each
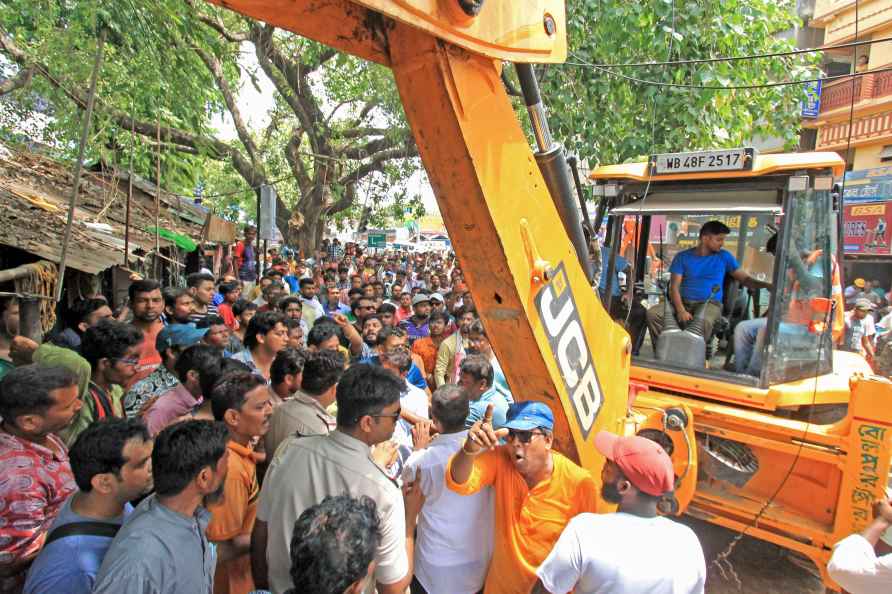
(634, 550)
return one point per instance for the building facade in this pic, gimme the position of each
(855, 120)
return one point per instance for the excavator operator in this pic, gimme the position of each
(695, 273)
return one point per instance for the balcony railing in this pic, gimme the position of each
(882, 83)
(838, 93)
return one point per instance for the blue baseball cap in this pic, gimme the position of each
(529, 415)
(178, 335)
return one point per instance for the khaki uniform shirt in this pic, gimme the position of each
(302, 415)
(337, 464)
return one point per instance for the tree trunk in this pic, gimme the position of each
(305, 238)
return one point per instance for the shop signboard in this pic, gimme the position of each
(377, 239)
(811, 102)
(866, 228)
(868, 185)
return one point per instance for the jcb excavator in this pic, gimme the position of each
(516, 228)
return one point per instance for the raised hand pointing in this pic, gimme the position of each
(482, 436)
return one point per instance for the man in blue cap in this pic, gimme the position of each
(170, 342)
(537, 490)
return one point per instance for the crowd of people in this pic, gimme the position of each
(337, 424)
(868, 328)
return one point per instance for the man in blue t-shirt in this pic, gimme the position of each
(111, 463)
(695, 272)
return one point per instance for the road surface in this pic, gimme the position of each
(762, 567)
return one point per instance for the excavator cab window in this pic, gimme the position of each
(788, 339)
(799, 325)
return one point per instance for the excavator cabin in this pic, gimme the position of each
(782, 214)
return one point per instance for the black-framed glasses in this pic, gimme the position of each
(393, 416)
(523, 437)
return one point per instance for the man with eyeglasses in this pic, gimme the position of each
(110, 351)
(304, 471)
(537, 491)
(361, 309)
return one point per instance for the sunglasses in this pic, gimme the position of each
(523, 436)
(393, 416)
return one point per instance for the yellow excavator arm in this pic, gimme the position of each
(519, 263)
(524, 260)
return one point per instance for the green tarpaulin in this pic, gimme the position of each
(181, 241)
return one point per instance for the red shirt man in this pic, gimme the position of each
(37, 477)
(147, 304)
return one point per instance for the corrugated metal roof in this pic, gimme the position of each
(34, 193)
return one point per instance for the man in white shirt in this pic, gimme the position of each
(454, 532)
(860, 330)
(855, 564)
(414, 407)
(312, 309)
(632, 551)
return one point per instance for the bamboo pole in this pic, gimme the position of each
(79, 165)
(158, 189)
(129, 196)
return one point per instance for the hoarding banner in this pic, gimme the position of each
(866, 228)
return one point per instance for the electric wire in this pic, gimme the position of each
(797, 52)
(768, 85)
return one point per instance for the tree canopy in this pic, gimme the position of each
(335, 127)
(606, 118)
(335, 142)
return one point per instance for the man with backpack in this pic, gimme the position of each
(111, 462)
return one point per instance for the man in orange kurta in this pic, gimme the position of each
(537, 491)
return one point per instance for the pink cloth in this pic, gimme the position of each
(170, 406)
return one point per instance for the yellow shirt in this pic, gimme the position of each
(528, 521)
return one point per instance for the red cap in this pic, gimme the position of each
(644, 462)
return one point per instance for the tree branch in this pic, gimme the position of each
(343, 202)
(286, 76)
(241, 128)
(364, 113)
(292, 155)
(20, 80)
(177, 148)
(369, 148)
(324, 57)
(216, 23)
(377, 162)
(376, 145)
(360, 132)
(335, 110)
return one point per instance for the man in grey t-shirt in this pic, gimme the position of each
(162, 547)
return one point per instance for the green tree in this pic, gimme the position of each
(609, 119)
(336, 121)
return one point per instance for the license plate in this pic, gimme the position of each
(727, 160)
